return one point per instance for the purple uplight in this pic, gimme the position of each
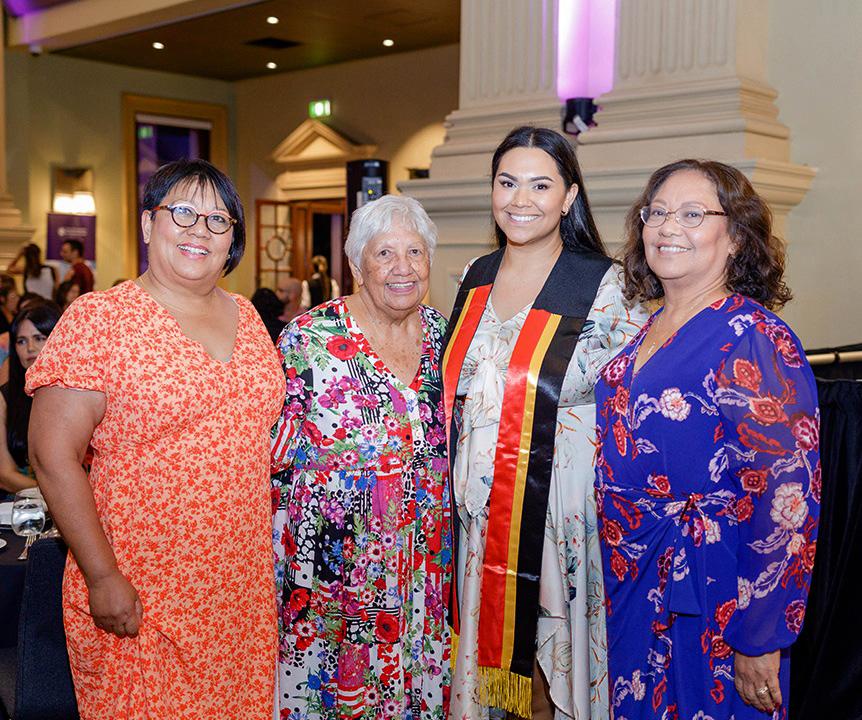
(18, 8)
(585, 48)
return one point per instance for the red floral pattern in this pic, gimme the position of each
(361, 531)
(179, 476)
(708, 481)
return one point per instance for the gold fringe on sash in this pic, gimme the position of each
(506, 690)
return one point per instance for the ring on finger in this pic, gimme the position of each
(762, 692)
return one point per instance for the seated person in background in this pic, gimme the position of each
(29, 332)
(289, 292)
(269, 308)
(29, 299)
(319, 288)
(72, 252)
(39, 278)
(67, 292)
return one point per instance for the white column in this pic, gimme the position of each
(508, 77)
(12, 232)
(689, 81)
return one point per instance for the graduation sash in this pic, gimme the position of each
(509, 597)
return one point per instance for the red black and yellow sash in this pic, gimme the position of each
(509, 599)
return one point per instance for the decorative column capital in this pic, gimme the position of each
(690, 81)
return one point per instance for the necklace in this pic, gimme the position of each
(688, 314)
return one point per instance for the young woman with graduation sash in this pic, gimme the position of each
(533, 324)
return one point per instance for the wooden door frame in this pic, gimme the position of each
(300, 228)
(133, 105)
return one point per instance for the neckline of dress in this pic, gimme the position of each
(355, 329)
(523, 311)
(174, 323)
(667, 343)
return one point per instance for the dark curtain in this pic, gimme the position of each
(826, 667)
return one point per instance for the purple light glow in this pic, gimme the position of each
(19, 8)
(585, 48)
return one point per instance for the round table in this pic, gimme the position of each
(11, 586)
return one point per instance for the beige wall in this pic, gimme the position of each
(396, 102)
(815, 64)
(65, 111)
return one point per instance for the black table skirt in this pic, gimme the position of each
(11, 587)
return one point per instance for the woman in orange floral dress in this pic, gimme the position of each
(168, 593)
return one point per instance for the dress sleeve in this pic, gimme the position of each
(767, 400)
(299, 376)
(77, 352)
(611, 324)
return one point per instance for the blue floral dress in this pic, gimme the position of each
(362, 532)
(708, 484)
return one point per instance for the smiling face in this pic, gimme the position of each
(529, 197)
(395, 270)
(28, 343)
(690, 258)
(187, 255)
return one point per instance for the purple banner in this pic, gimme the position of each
(63, 227)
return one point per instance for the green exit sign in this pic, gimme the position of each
(319, 108)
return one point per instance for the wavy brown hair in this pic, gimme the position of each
(756, 268)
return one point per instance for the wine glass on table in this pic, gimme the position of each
(28, 516)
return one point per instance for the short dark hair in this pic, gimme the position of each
(44, 316)
(204, 175)
(577, 227)
(755, 269)
(76, 245)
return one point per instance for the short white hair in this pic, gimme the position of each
(380, 216)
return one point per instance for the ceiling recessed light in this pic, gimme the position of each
(272, 20)
(271, 65)
(158, 46)
(388, 43)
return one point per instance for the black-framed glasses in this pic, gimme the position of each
(689, 216)
(186, 216)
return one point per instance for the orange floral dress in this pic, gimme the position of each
(180, 477)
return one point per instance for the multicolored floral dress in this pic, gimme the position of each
(571, 630)
(362, 534)
(708, 483)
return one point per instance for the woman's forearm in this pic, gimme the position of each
(61, 425)
(69, 496)
(12, 481)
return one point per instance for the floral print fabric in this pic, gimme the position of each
(361, 532)
(179, 477)
(709, 487)
(571, 629)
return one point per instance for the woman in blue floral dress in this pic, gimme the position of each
(708, 474)
(361, 528)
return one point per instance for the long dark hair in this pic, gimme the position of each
(204, 175)
(756, 268)
(577, 228)
(32, 261)
(44, 317)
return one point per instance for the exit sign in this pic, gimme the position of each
(319, 108)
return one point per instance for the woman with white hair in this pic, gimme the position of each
(361, 527)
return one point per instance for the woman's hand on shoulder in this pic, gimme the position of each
(115, 605)
(753, 674)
